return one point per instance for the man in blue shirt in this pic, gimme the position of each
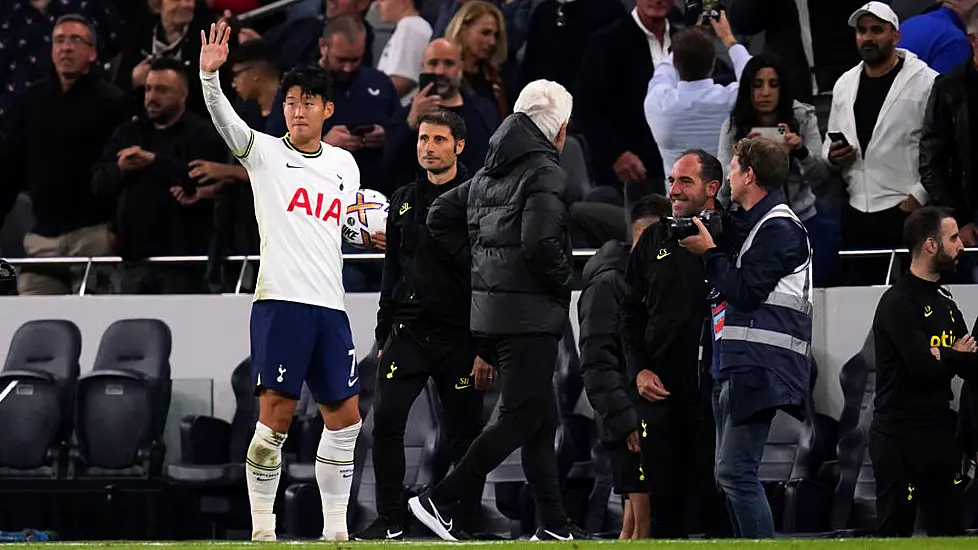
(938, 36)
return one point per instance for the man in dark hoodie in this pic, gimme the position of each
(515, 210)
(422, 325)
(603, 365)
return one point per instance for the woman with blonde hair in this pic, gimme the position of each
(480, 32)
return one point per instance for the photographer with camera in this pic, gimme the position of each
(765, 330)
(661, 324)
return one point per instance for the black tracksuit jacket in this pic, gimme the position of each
(422, 284)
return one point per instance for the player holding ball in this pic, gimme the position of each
(300, 332)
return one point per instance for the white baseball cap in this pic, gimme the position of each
(878, 10)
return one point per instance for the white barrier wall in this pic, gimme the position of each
(210, 333)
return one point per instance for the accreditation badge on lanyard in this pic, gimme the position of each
(719, 311)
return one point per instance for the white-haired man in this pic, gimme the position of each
(519, 250)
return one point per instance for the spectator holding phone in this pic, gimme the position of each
(440, 87)
(765, 107)
(874, 131)
(684, 107)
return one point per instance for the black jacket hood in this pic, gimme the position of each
(613, 255)
(517, 137)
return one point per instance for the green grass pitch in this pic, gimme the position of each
(793, 544)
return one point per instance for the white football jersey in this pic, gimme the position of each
(300, 203)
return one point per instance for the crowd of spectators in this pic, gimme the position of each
(105, 138)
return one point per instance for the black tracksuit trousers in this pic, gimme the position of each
(527, 420)
(918, 467)
(412, 356)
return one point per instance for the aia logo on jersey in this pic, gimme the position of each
(301, 202)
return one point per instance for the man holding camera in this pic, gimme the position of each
(765, 329)
(662, 321)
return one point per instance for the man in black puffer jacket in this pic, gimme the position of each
(606, 380)
(516, 212)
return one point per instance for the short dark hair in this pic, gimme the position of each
(171, 64)
(924, 223)
(80, 19)
(313, 80)
(348, 26)
(768, 159)
(446, 118)
(255, 52)
(693, 54)
(652, 205)
(710, 167)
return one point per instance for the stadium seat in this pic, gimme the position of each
(212, 451)
(787, 456)
(39, 378)
(854, 378)
(123, 402)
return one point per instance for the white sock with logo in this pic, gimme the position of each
(334, 475)
(263, 468)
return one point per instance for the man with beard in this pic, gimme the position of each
(662, 319)
(364, 100)
(144, 171)
(921, 343)
(423, 327)
(442, 63)
(873, 135)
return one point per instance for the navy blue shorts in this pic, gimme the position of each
(292, 343)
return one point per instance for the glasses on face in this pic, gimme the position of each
(72, 39)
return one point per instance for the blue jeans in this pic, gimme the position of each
(738, 457)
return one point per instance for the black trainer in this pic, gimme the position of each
(434, 519)
(381, 529)
(568, 532)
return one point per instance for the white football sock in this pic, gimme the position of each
(334, 475)
(263, 468)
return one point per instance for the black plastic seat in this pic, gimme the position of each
(36, 411)
(212, 450)
(123, 403)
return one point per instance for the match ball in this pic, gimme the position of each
(368, 214)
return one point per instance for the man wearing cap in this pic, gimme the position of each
(873, 137)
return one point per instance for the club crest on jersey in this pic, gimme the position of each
(361, 207)
(300, 201)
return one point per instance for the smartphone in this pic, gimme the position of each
(838, 136)
(775, 133)
(362, 130)
(428, 78)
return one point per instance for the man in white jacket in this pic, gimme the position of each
(873, 138)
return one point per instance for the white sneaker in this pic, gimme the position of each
(336, 537)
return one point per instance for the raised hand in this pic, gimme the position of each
(214, 49)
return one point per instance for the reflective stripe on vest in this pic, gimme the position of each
(768, 337)
(793, 292)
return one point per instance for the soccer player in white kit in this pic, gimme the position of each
(299, 328)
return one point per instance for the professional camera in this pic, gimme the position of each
(681, 227)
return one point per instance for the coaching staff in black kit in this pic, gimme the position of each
(921, 343)
(609, 390)
(422, 324)
(662, 323)
(516, 213)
